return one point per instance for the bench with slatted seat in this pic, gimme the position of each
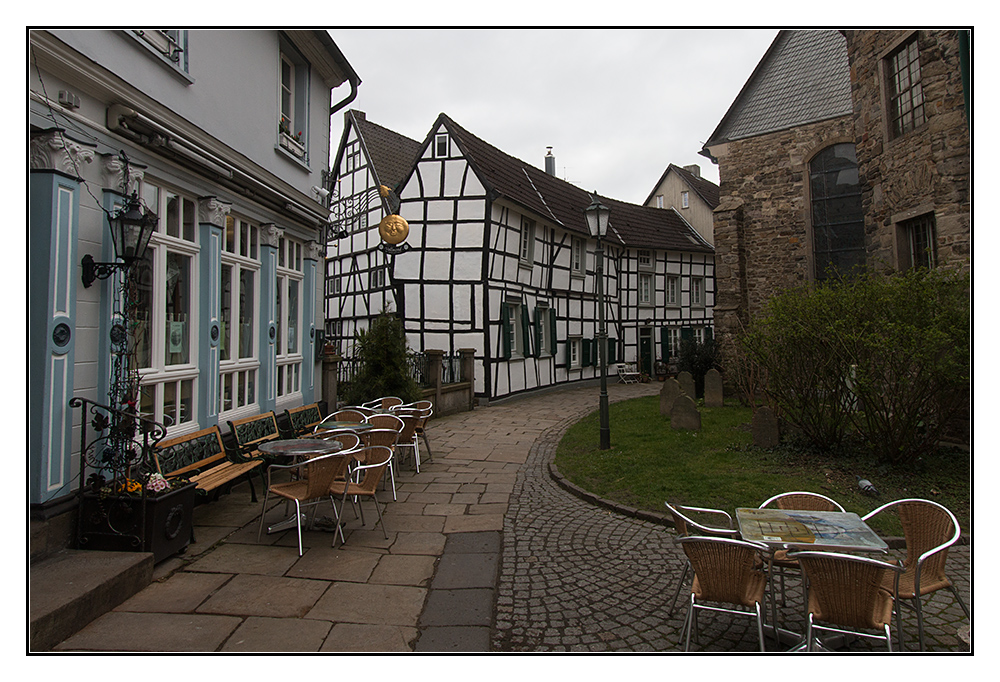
(250, 432)
(301, 421)
(201, 458)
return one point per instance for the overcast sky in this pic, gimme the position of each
(616, 105)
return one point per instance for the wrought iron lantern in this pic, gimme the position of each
(131, 228)
(598, 216)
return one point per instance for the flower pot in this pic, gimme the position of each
(116, 523)
(292, 145)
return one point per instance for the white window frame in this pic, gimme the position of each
(441, 145)
(645, 288)
(577, 256)
(288, 363)
(659, 201)
(698, 292)
(575, 352)
(673, 340)
(154, 378)
(514, 310)
(685, 199)
(526, 243)
(673, 293)
(645, 258)
(240, 374)
(547, 347)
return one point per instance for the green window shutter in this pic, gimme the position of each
(687, 334)
(597, 353)
(708, 334)
(526, 331)
(538, 330)
(505, 330)
(664, 344)
(552, 326)
(612, 351)
(585, 360)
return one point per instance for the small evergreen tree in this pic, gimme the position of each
(697, 358)
(383, 370)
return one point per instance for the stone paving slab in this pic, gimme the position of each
(278, 635)
(183, 592)
(125, 631)
(367, 638)
(370, 604)
(264, 595)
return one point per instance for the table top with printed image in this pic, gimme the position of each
(844, 531)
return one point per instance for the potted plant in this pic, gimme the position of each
(289, 140)
(661, 369)
(128, 515)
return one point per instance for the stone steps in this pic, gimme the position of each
(71, 588)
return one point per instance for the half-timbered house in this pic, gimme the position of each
(358, 277)
(500, 261)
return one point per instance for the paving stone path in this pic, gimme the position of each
(578, 577)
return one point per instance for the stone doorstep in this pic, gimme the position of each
(72, 588)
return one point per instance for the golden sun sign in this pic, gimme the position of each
(393, 229)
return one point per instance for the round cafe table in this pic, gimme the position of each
(358, 427)
(293, 449)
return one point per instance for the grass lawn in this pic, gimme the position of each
(650, 463)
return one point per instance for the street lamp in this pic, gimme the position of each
(131, 228)
(597, 222)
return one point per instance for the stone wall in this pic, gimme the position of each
(922, 171)
(762, 238)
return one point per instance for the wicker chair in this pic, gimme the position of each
(367, 477)
(386, 403)
(425, 410)
(385, 421)
(930, 529)
(311, 487)
(686, 526)
(795, 500)
(385, 438)
(725, 571)
(408, 434)
(846, 593)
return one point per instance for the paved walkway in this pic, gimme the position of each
(485, 551)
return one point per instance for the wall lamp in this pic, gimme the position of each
(131, 228)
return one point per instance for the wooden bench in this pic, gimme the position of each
(201, 458)
(250, 432)
(301, 421)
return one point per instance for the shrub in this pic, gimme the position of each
(885, 354)
(697, 358)
(382, 368)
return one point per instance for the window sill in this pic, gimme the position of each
(292, 157)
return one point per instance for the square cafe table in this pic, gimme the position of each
(803, 529)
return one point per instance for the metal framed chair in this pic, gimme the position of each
(424, 410)
(309, 488)
(798, 499)
(929, 529)
(726, 571)
(385, 438)
(686, 526)
(846, 595)
(386, 403)
(362, 482)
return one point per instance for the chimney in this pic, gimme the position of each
(694, 169)
(550, 162)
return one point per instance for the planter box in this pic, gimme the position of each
(289, 143)
(116, 523)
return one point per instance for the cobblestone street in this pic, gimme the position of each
(579, 577)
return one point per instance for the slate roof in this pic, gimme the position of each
(560, 202)
(706, 189)
(392, 155)
(804, 77)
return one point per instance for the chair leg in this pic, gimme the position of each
(298, 524)
(260, 527)
(340, 528)
(416, 453)
(677, 592)
(379, 512)
(809, 632)
(688, 624)
(427, 445)
(760, 625)
(888, 637)
(961, 603)
(920, 622)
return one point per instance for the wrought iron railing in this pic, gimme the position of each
(419, 364)
(118, 460)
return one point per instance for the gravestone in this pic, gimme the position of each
(687, 384)
(668, 394)
(684, 414)
(713, 388)
(764, 427)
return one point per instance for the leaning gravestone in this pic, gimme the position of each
(764, 427)
(713, 388)
(687, 383)
(668, 394)
(684, 414)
